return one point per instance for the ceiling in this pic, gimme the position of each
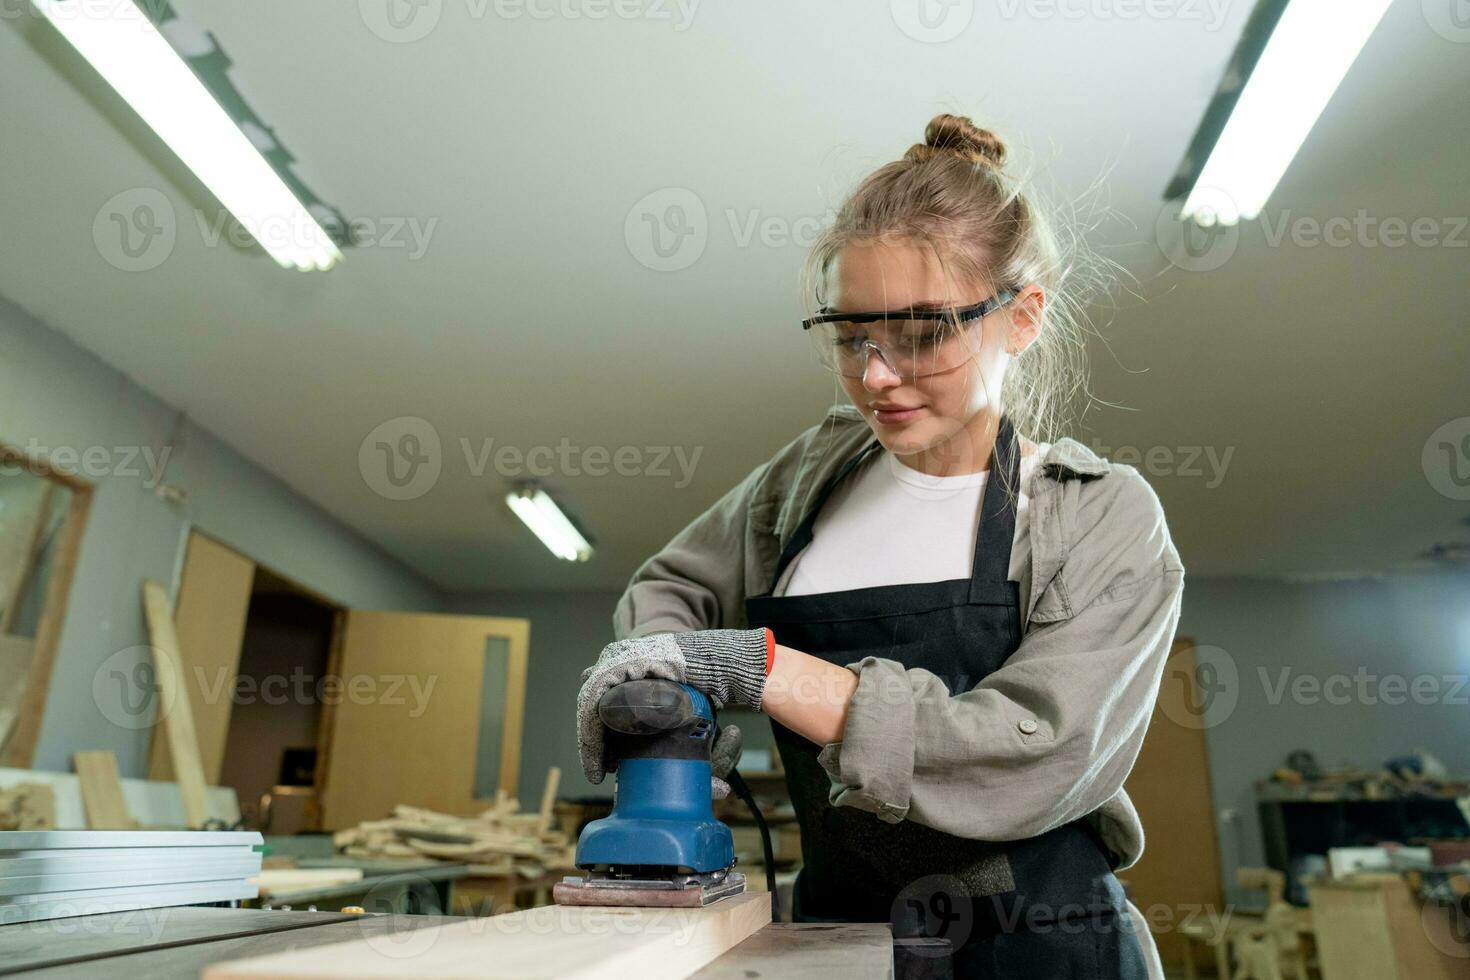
(530, 312)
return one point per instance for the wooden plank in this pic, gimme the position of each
(433, 666)
(548, 800)
(552, 941)
(102, 792)
(811, 951)
(214, 600)
(20, 747)
(52, 943)
(173, 702)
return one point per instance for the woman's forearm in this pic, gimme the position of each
(808, 695)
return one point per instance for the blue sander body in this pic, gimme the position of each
(661, 845)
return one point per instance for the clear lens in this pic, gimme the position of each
(912, 348)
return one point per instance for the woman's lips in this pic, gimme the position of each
(895, 415)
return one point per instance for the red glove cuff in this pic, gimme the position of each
(770, 650)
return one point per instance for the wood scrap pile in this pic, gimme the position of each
(500, 840)
(28, 806)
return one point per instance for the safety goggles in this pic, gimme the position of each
(913, 342)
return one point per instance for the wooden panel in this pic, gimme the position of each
(406, 727)
(1178, 876)
(811, 951)
(173, 702)
(214, 598)
(552, 941)
(102, 792)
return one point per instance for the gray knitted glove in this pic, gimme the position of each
(723, 756)
(728, 665)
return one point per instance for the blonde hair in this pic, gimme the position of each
(953, 194)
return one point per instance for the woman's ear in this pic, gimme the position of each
(1025, 318)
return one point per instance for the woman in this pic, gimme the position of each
(957, 632)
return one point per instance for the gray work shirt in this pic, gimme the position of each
(1046, 739)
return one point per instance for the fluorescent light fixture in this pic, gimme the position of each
(540, 513)
(1310, 50)
(128, 51)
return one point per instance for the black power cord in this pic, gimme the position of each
(739, 787)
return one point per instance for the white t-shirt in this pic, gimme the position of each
(889, 524)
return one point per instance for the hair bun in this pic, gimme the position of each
(958, 134)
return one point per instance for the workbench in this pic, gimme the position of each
(178, 943)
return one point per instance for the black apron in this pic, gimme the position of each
(1048, 906)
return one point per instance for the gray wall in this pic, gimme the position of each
(59, 396)
(1408, 627)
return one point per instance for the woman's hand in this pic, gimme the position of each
(729, 665)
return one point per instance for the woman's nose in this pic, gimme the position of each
(877, 373)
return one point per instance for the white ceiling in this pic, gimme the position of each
(528, 319)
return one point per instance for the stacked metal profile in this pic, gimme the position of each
(51, 874)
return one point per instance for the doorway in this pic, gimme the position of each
(277, 716)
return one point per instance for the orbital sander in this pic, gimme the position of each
(661, 845)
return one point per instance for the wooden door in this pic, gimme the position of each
(1178, 877)
(209, 617)
(429, 713)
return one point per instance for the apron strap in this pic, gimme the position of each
(803, 534)
(992, 563)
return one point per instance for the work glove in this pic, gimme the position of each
(723, 757)
(727, 665)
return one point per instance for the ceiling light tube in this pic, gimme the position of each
(539, 512)
(128, 51)
(1309, 52)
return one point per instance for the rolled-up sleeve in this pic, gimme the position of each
(1045, 739)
